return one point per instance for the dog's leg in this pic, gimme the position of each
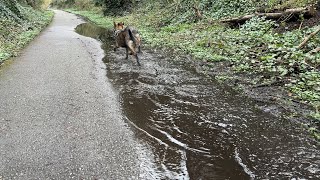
(138, 42)
(116, 47)
(138, 62)
(130, 49)
(127, 53)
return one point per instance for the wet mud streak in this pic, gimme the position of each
(199, 129)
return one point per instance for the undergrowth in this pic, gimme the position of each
(16, 32)
(253, 48)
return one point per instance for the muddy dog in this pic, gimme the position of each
(128, 38)
(120, 26)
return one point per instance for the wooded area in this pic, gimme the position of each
(10, 8)
(276, 40)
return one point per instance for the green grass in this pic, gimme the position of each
(95, 17)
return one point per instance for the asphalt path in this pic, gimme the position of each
(60, 118)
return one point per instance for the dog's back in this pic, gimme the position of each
(136, 36)
(120, 38)
(129, 39)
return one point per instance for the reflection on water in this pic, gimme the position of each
(198, 129)
(93, 31)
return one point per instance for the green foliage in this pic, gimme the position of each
(228, 8)
(37, 4)
(16, 32)
(252, 48)
(10, 9)
(258, 25)
(307, 86)
(63, 3)
(99, 19)
(315, 132)
(109, 7)
(117, 7)
(222, 77)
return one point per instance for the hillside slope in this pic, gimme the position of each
(18, 25)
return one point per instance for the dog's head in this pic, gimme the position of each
(118, 26)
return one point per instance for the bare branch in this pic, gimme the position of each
(306, 39)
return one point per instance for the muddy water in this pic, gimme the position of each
(199, 129)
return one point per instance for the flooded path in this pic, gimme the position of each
(197, 128)
(59, 115)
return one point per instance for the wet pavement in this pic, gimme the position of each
(197, 128)
(60, 116)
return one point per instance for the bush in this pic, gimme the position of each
(9, 9)
(110, 7)
(18, 25)
(115, 7)
(84, 4)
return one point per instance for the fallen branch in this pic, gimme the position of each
(273, 83)
(300, 25)
(316, 50)
(306, 39)
(197, 12)
(306, 10)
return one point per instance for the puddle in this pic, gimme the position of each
(199, 129)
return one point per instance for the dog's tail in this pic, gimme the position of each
(132, 37)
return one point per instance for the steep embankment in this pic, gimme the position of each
(18, 26)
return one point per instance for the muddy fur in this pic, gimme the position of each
(121, 26)
(128, 38)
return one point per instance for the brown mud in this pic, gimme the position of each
(299, 23)
(198, 128)
(283, 103)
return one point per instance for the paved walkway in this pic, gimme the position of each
(59, 116)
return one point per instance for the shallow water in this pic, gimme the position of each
(198, 128)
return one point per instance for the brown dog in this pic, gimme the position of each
(120, 26)
(128, 38)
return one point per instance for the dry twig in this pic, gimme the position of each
(316, 50)
(306, 39)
